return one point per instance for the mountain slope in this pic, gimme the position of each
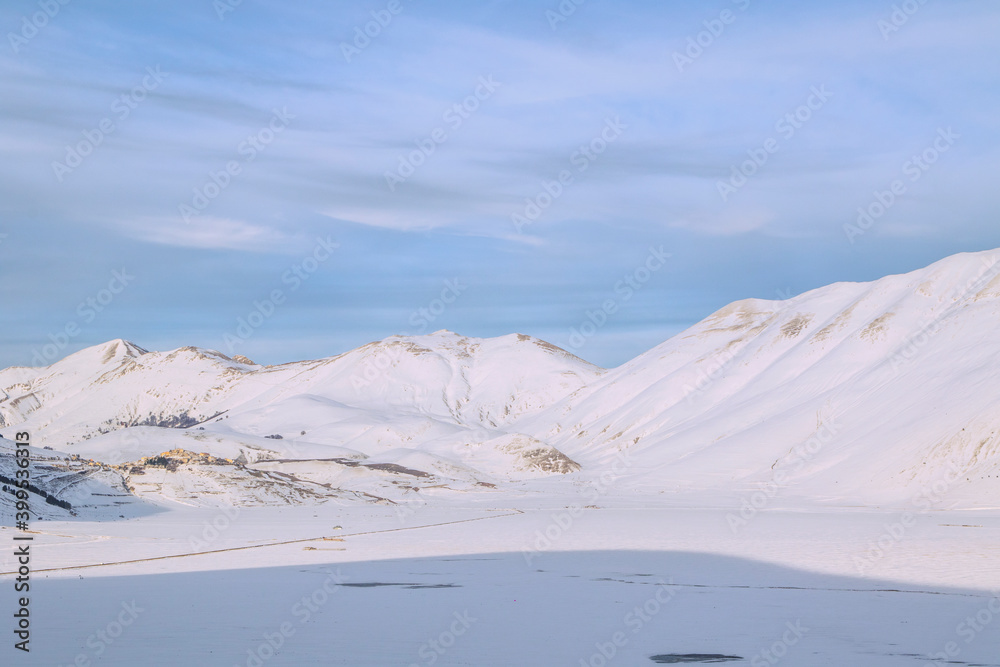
(442, 377)
(894, 378)
(453, 402)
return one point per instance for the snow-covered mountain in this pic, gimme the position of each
(384, 420)
(855, 393)
(441, 377)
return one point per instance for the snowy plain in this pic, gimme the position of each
(385, 591)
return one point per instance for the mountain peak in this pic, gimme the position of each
(125, 347)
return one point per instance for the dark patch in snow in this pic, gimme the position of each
(376, 584)
(392, 467)
(675, 658)
(183, 420)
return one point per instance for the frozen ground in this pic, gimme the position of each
(479, 586)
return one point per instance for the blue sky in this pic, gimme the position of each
(300, 131)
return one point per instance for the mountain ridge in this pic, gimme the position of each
(886, 376)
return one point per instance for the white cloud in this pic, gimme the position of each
(208, 232)
(727, 222)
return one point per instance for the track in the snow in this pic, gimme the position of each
(268, 544)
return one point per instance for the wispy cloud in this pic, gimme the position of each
(326, 173)
(207, 232)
